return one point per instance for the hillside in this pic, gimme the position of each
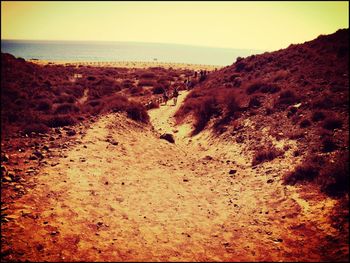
(298, 94)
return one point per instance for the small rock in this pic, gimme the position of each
(168, 137)
(53, 233)
(18, 187)
(51, 139)
(278, 240)
(269, 181)
(7, 179)
(38, 154)
(4, 170)
(4, 157)
(71, 132)
(46, 148)
(113, 142)
(232, 171)
(185, 180)
(208, 158)
(33, 157)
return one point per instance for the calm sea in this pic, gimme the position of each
(122, 51)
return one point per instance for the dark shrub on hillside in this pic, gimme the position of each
(60, 121)
(230, 107)
(328, 145)
(318, 116)
(265, 154)
(287, 97)
(44, 105)
(253, 88)
(146, 82)
(254, 102)
(137, 112)
(136, 90)
(305, 123)
(94, 103)
(65, 98)
(334, 177)
(158, 89)
(240, 66)
(66, 108)
(323, 103)
(262, 87)
(91, 78)
(234, 76)
(148, 75)
(304, 172)
(115, 103)
(331, 124)
(206, 109)
(35, 127)
(127, 84)
(343, 51)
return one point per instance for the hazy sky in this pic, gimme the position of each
(252, 25)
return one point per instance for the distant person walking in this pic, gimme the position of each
(175, 95)
(165, 97)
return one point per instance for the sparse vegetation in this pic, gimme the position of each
(265, 154)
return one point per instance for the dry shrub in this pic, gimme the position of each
(60, 121)
(207, 108)
(115, 103)
(323, 103)
(127, 84)
(331, 174)
(262, 87)
(44, 105)
(266, 154)
(137, 112)
(146, 82)
(254, 102)
(334, 176)
(159, 89)
(305, 123)
(331, 124)
(66, 108)
(318, 116)
(328, 145)
(134, 110)
(35, 127)
(286, 98)
(304, 172)
(148, 75)
(136, 90)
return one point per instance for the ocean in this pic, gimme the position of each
(122, 51)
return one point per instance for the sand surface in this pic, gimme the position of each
(122, 194)
(129, 64)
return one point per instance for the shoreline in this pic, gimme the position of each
(128, 64)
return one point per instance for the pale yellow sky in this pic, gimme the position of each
(251, 25)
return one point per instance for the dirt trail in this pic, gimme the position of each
(123, 194)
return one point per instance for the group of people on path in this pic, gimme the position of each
(166, 96)
(189, 84)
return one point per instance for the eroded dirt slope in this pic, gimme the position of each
(123, 194)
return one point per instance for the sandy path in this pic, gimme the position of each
(122, 194)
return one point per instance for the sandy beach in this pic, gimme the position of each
(129, 64)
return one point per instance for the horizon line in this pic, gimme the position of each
(133, 41)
